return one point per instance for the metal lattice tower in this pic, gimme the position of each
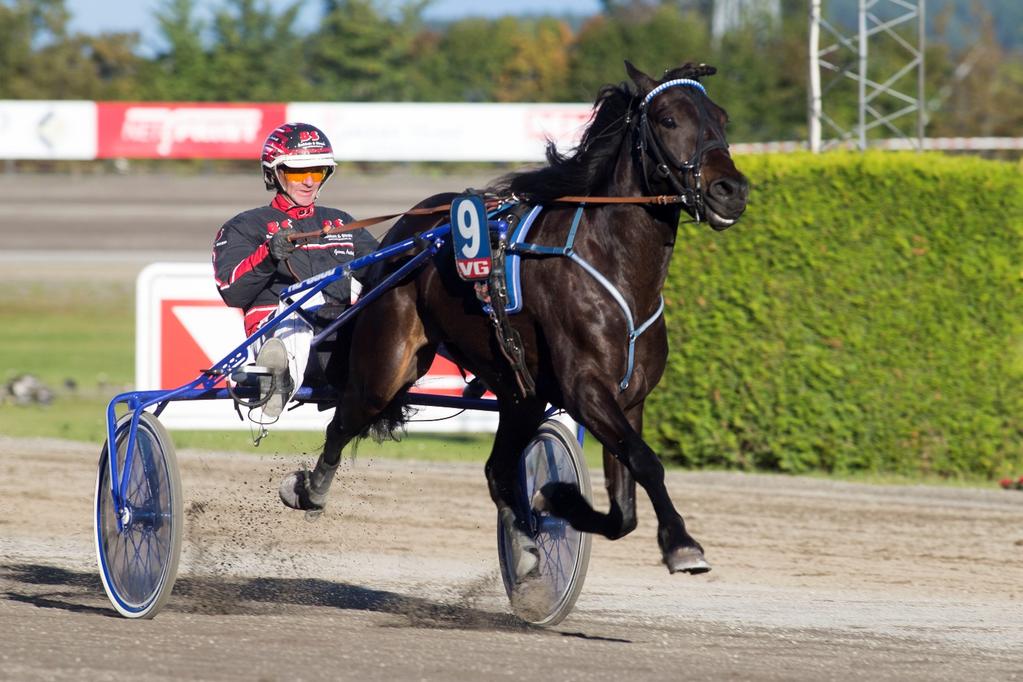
(880, 103)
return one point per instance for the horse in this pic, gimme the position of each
(653, 150)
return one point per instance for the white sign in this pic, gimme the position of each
(444, 132)
(182, 327)
(47, 130)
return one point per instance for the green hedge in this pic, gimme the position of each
(864, 315)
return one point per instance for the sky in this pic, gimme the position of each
(99, 16)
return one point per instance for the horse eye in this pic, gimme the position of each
(668, 122)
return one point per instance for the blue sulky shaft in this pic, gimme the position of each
(204, 387)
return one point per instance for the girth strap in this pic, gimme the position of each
(494, 295)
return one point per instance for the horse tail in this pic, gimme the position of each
(390, 423)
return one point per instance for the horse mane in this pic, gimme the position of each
(587, 166)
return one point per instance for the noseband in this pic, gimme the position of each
(685, 177)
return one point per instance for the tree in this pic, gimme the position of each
(505, 60)
(983, 95)
(661, 39)
(466, 62)
(257, 55)
(359, 53)
(762, 81)
(40, 60)
(537, 70)
(179, 72)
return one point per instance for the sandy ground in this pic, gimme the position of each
(399, 580)
(812, 580)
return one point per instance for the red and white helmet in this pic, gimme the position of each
(296, 145)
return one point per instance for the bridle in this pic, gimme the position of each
(685, 177)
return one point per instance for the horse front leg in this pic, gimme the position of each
(621, 486)
(596, 408)
(518, 422)
(566, 501)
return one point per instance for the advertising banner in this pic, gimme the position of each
(47, 130)
(444, 132)
(359, 131)
(179, 130)
(183, 327)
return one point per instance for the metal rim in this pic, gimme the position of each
(138, 565)
(553, 454)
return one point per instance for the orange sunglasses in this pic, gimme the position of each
(298, 174)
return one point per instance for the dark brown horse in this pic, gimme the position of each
(657, 138)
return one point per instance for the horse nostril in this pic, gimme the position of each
(722, 189)
(728, 189)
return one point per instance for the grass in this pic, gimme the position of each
(78, 332)
(79, 340)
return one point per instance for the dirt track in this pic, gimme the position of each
(812, 579)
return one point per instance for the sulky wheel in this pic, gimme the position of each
(547, 596)
(138, 564)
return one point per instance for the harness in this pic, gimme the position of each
(689, 194)
(518, 246)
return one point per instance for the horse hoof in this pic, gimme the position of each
(532, 599)
(686, 560)
(525, 565)
(295, 493)
(525, 557)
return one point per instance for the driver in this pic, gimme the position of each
(254, 260)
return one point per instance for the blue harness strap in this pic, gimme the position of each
(517, 245)
(512, 260)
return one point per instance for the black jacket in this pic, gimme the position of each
(248, 278)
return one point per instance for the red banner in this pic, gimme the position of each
(182, 130)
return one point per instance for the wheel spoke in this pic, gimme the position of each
(552, 456)
(139, 564)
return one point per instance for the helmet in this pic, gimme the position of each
(298, 145)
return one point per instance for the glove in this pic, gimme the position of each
(280, 246)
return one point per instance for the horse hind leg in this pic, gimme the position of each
(388, 353)
(518, 422)
(307, 490)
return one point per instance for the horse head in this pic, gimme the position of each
(679, 142)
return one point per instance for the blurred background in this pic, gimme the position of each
(450, 51)
(864, 316)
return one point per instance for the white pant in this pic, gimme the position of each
(296, 334)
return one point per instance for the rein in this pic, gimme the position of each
(646, 139)
(659, 200)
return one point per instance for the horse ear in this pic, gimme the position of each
(644, 82)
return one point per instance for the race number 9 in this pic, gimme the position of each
(469, 228)
(471, 239)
